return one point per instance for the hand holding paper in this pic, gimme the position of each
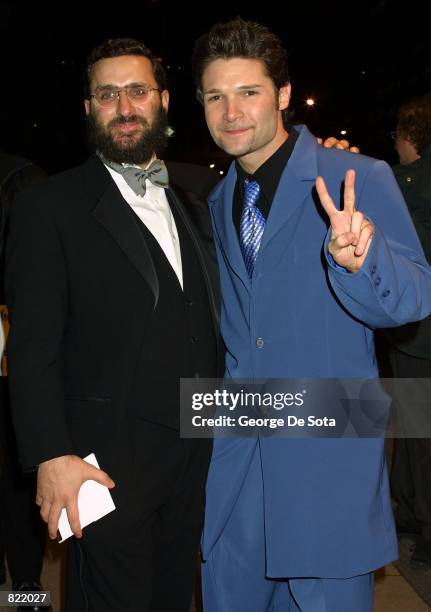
(94, 501)
(59, 483)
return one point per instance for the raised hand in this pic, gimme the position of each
(351, 231)
(58, 484)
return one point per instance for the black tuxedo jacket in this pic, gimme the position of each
(80, 281)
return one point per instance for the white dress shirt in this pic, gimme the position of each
(154, 211)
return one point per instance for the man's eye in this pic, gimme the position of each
(138, 92)
(250, 92)
(214, 98)
(107, 95)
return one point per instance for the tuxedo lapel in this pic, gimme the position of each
(116, 216)
(208, 265)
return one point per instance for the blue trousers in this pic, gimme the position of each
(233, 577)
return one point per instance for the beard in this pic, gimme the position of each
(130, 150)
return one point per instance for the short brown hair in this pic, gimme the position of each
(116, 47)
(414, 122)
(240, 38)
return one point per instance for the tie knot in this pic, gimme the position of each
(251, 192)
(156, 173)
(135, 177)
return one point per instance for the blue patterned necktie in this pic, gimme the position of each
(251, 226)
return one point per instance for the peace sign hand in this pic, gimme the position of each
(351, 231)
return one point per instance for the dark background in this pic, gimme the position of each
(359, 60)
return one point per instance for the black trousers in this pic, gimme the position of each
(411, 467)
(22, 532)
(143, 555)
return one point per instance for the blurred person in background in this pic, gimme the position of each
(22, 534)
(410, 345)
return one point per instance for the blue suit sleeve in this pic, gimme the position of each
(393, 287)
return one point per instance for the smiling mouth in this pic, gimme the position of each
(236, 132)
(126, 128)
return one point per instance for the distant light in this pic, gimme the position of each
(221, 172)
(344, 132)
(35, 125)
(212, 165)
(309, 102)
(363, 72)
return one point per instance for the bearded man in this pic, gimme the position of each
(112, 301)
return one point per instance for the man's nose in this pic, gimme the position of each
(232, 110)
(124, 106)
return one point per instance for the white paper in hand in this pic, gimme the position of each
(94, 501)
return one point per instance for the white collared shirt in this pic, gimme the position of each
(154, 211)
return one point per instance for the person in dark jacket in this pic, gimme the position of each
(22, 536)
(410, 352)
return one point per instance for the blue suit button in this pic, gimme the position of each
(386, 293)
(260, 343)
(373, 269)
(377, 281)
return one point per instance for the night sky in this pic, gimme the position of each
(359, 60)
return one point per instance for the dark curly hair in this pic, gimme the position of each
(116, 47)
(414, 122)
(240, 38)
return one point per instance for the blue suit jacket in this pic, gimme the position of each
(326, 501)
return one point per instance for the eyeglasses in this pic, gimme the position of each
(137, 94)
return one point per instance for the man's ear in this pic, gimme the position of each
(165, 99)
(87, 107)
(284, 96)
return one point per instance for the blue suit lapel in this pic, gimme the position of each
(294, 187)
(295, 184)
(221, 201)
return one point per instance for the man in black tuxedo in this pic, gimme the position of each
(112, 299)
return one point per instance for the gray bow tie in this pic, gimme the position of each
(135, 177)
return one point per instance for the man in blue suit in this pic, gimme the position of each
(298, 524)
